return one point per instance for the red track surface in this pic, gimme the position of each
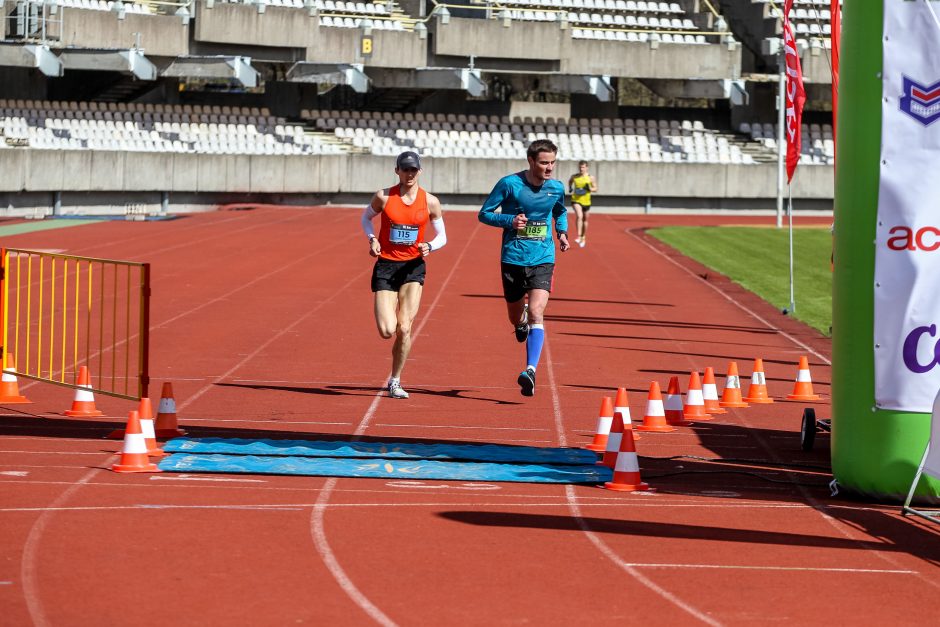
(263, 322)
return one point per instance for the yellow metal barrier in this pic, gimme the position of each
(60, 312)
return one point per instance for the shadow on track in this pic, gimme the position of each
(363, 390)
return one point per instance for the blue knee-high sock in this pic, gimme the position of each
(533, 345)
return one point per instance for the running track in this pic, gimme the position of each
(262, 320)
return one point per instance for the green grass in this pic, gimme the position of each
(758, 260)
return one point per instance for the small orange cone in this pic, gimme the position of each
(622, 405)
(757, 391)
(673, 404)
(9, 389)
(617, 432)
(165, 426)
(731, 395)
(803, 388)
(627, 470)
(134, 454)
(83, 406)
(145, 411)
(605, 419)
(710, 393)
(655, 418)
(694, 408)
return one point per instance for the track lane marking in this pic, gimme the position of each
(317, 527)
(575, 510)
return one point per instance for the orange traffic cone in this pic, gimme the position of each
(9, 389)
(605, 418)
(622, 405)
(757, 391)
(627, 470)
(731, 395)
(165, 426)
(710, 393)
(617, 431)
(673, 404)
(655, 418)
(694, 408)
(83, 405)
(145, 411)
(803, 388)
(134, 454)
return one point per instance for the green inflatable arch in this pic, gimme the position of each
(875, 452)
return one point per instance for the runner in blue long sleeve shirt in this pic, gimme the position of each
(528, 202)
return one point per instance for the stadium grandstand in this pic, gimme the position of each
(175, 105)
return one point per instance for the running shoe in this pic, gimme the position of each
(522, 329)
(526, 382)
(395, 390)
(582, 243)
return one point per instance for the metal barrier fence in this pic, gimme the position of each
(60, 312)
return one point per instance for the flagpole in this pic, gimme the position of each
(781, 140)
(790, 218)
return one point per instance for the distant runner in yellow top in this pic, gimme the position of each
(580, 186)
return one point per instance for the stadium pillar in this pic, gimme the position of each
(875, 451)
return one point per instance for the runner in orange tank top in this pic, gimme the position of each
(398, 275)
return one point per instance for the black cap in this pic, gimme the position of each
(407, 160)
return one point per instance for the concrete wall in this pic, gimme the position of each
(242, 24)
(651, 60)
(540, 41)
(27, 170)
(392, 49)
(160, 35)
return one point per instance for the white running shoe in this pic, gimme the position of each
(395, 390)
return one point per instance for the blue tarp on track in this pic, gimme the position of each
(387, 468)
(314, 448)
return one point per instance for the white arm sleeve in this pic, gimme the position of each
(367, 216)
(441, 238)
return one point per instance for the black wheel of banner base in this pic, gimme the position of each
(808, 429)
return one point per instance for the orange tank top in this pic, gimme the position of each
(403, 225)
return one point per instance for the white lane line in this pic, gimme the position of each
(30, 560)
(23, 473)
(776, 568)
(740, 306)
(317, 527)
(427, 426)
(185, 477)
(575, 510)
(268, 421)
(392, 504)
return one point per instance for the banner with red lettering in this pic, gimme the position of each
(907, 237)
(795, 94)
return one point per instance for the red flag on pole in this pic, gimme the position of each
(795, 94)
(835, 34)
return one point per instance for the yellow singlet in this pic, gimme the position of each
(581, 193)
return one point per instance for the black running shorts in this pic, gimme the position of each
(391, 275)
(518, 280)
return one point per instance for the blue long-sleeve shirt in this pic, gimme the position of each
(532, 245)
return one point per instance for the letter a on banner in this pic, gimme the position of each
(795, 93)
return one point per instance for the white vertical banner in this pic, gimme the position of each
(907, 256)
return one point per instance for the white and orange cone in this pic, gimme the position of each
(622, 405)
(145, 411)
(673, 404)
(165, 425)
(757, 391)
(731, 395)
(627, 470)
(694, 408)
(83, 405)
(655, 417)
(9, 388)
(710, 393)
(134, 454)
(803, 387)
(617, 431)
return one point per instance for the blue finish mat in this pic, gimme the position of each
(387, 468)
(313, 448)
